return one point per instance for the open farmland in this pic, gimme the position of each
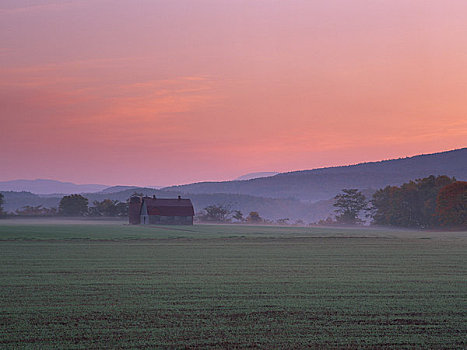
(87, 285)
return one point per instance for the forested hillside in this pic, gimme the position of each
(319, 184)
(305, 195)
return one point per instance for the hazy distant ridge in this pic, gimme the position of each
(250, 176)
(324, 183)
(43, 186)
(286, 195)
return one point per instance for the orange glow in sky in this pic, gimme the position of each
(168, 92)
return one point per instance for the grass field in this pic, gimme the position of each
(108, 285)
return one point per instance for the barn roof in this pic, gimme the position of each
(169, 207)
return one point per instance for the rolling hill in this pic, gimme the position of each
(305, 195)
(250, 176)
(44, 186)
(324, 183)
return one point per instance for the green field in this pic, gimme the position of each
(91, 285)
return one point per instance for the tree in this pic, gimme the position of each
(451, 205)
(283, 221)
(349, 204)
(326, 222)
(73, 205)
(385, 207)
(29, 210)
(413, 204)
(107, 207)
(215, 213)
(122, 208)
(428, 189)
(238, 216)
(254, 217)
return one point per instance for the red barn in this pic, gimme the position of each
(160, 211)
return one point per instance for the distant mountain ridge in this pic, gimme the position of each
(115, 189)
(296, 195)
(324, 183)
(250, 176)
(44, 186)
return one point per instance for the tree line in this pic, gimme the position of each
(218, 213)
(74, 205)
(431, 202)
(434, 201)
(221, 213)
(77, 205)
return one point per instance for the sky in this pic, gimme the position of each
(155, 93)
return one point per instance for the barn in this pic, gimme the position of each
(160, 211)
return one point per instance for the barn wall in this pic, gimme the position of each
(170, 220)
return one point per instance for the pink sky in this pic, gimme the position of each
(167, 92)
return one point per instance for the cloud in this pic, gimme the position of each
(59, 104)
